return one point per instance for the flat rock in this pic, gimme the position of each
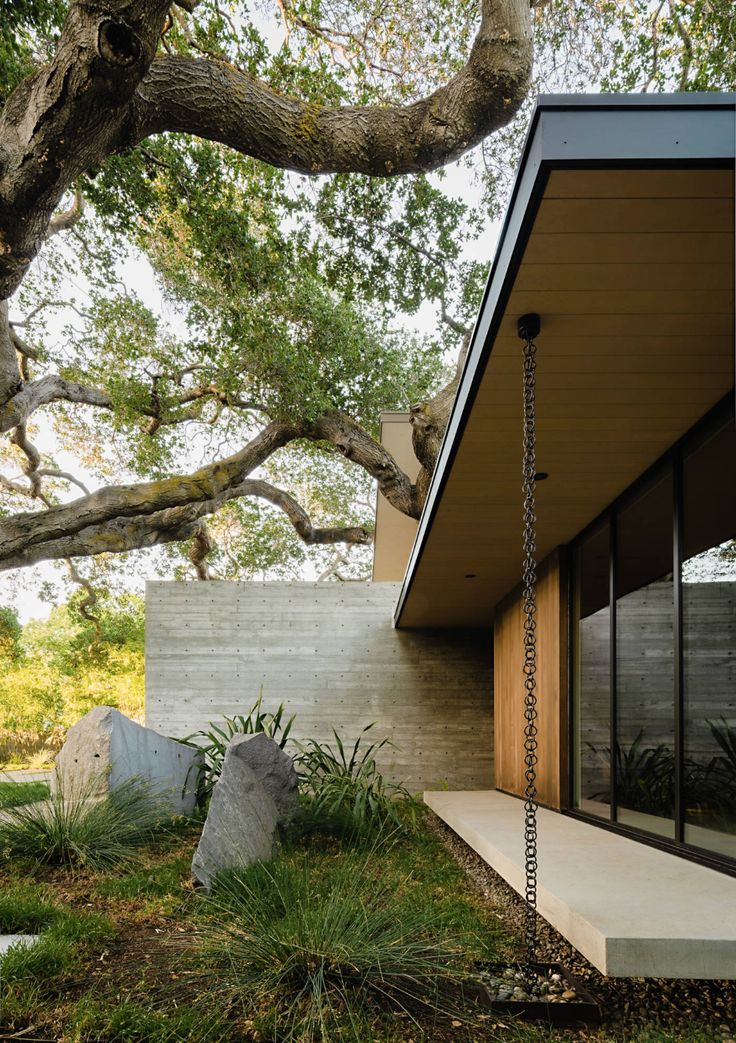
(241, 823)
(273, 768)
(105, 748)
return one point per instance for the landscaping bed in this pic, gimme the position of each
(134, 954)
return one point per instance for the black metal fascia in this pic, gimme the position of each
(582, 131)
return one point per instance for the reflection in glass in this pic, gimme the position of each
(709, 641)
(645, 713)
(592, 674)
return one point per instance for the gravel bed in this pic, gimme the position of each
(629, 1004)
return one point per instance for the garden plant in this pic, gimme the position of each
(359, 929)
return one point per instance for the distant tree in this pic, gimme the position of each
(10, 633)
(65, 665)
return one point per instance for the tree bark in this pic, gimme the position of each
(104, 92)
(174, 525)
(9, 372)
(356, 445)
(68, 117)
(219, 102)
(143, 498)
(429, 422)
(31, 394)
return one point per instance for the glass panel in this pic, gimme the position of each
(709, 642)
(592, 691)
(645, 715)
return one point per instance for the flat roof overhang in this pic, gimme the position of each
(620, 234)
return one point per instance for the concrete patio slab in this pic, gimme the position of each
(25, 775)
(632, 910)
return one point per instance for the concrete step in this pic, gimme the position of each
(631, 909)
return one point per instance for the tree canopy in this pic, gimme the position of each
(221, 227)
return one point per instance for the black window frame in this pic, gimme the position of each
(721, 413)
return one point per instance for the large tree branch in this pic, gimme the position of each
(217, 101)
(176, 524)
(10, 378)
(103, 92)
(113, 537)
(299, 517)
(52, 388)
(66, 219)
(67, 117)
(32, 394)
(26, 530)
(356, 445)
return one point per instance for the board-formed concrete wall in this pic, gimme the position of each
(330, 653)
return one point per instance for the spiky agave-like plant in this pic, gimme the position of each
(346, 783)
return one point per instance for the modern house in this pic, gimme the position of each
(620, 235)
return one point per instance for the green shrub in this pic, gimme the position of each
(57, 670)
(350, 789)
(320, 950)
(214, 742)
(95, 834)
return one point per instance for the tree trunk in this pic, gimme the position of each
(429, 422)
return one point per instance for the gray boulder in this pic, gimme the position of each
(241, 823)
(273, 768)
(106, 748)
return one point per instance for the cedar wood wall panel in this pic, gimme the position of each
(551, 686)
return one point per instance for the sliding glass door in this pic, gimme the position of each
(709, 641)
(653, 650)
(645, 626)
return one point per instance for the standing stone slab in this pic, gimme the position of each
(241, 822)
(273, 768)
(106, 748)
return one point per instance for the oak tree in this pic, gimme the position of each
(273, 179)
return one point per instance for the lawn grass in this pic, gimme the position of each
(13, 794)
(121, 956)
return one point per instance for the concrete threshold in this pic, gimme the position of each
(632, 910)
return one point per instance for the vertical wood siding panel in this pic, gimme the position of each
(551, 686)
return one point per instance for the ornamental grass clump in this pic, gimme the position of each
(84, 830)
(317, 951)
(348, 787)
